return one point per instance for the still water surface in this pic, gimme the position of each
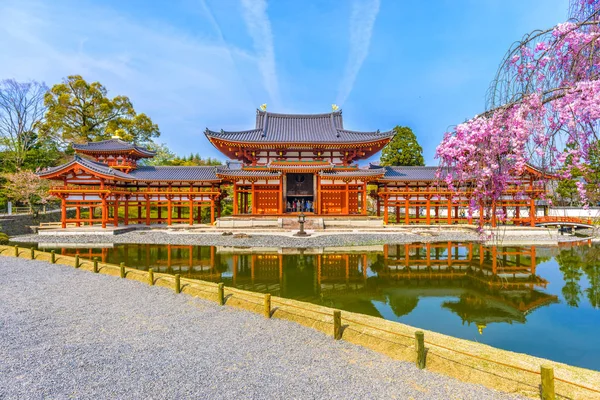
(535, 300)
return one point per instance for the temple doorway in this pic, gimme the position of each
(300, 193)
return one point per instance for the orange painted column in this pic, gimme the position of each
(104, 212)
(406, 210)
(63, 212)
(116, 212)
(494, 223)
(385, 209)
(428, 210)
(254, 202)
(147, 210)
(364, 199)
(78, 214)
(169, 210)
(347, 198)
(532, 211)
(126, 213)
(212, 210)
(191, 216)
(235, 199)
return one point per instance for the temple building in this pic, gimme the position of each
(286, 164)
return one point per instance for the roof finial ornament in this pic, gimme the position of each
(334, 107)
(117, 134)
(263, 107)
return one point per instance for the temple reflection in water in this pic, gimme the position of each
(482, 285)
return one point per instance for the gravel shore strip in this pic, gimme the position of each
(69, 333)
(256, 240)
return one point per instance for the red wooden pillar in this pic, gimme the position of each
(532, 211)
(385, 209)
(235, 199)
(104, 212)
(191, 207)
(428, 210)
(254, 202)
(169, 210)
(78, 214)
(116, 211)
(347, 198)
(364, 199)
(212, 210)
(126, 213)
(147, 210)
(378, 205)
(63, 212)
(449, 209)
(406, 210)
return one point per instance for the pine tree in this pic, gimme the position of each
(403, 149)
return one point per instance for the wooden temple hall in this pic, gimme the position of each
(285, 165)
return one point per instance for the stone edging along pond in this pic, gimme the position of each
(462, 359)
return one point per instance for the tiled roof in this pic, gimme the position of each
(115, 145)
(299, 128)
(352, 172)
(408, 173)
(299, 165)
(249, 173)
(175, 173)
(91, 165)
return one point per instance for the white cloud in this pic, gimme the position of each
(183, 82)
(259, 27)
(362, 19)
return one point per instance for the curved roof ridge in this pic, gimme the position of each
(288, 115)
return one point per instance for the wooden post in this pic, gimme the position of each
(267, 305)
(548, 383)
(151, 277)
(95, 264)
(347, 198)
(53, 257)
(406, 211)
(532, 212)
(177, 283)
(16, 251)
(337, 324)
(122, 270)
(104, 212)
(221, 293)
(63, 212)
(169, 210)
(235, 200)
(147, 210)
(428, 210)
(191, 216)
(449, 209)
(212, 210)
(420, 347)
(126, 214)
(32, 254)
(116, 212)
(385, 209)
(78, 214)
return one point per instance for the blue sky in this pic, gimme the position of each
(191, 64)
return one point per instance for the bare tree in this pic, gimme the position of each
(21, 111)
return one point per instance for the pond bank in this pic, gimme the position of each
(254, 238)
(101, 339)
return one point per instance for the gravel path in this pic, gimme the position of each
(257, 240)
(67, 333)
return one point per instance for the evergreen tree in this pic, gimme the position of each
(403, 149)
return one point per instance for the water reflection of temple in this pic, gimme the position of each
(485, 284)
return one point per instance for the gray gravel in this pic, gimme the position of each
(256, 240)
(67, 333)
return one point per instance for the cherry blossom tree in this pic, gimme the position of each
(543, 109)
(27, 188)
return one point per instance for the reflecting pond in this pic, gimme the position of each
(536, 300)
